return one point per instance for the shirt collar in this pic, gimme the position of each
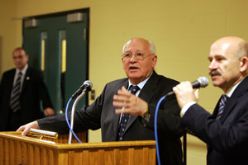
(230, 92)
(140, 85)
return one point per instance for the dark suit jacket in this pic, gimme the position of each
(227, 138)
(101, 114)
(33, 92)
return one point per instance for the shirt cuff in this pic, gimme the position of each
(186, 107)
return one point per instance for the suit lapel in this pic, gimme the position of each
(11, 80)
(146, 94)
(232, 102)
(215, 112)
(26, 79)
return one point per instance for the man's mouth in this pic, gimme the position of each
(214, 73)
(133, 68)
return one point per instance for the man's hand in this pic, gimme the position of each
(185, 93)
(25, 128)
(49, 111)
(125, 102)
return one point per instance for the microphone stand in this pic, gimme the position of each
(73, 114)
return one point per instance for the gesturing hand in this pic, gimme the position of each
(125, 102)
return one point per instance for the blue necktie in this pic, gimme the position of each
(222, 104)
(15, 94)
(125, 117)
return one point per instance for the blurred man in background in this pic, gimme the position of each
(22, 91)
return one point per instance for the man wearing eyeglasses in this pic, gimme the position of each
(137, 95)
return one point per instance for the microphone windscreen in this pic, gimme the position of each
(88, 84)
(203, 81)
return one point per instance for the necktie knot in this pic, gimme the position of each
(223, 100)
(134, 89)
(19, 77)
(222, 104)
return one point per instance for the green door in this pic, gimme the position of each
(58, 45)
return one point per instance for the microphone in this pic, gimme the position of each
(86, 86)
(201, 82)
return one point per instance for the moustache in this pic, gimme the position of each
(214, 73)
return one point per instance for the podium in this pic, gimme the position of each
(16, 149)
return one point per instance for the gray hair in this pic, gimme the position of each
(152, 47)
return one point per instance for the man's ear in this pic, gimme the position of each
(154, 60)
(244, 64)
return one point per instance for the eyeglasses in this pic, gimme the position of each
(137, 56)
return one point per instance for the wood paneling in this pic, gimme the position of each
(16, 149)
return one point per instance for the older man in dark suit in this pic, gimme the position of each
(146, 87)
(225, 131)
(22, 90)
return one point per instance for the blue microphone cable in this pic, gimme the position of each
(156, 128)
(67, 120)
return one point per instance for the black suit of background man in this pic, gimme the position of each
(33, 94)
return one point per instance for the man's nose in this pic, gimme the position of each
(133, 58)
(212, 65)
